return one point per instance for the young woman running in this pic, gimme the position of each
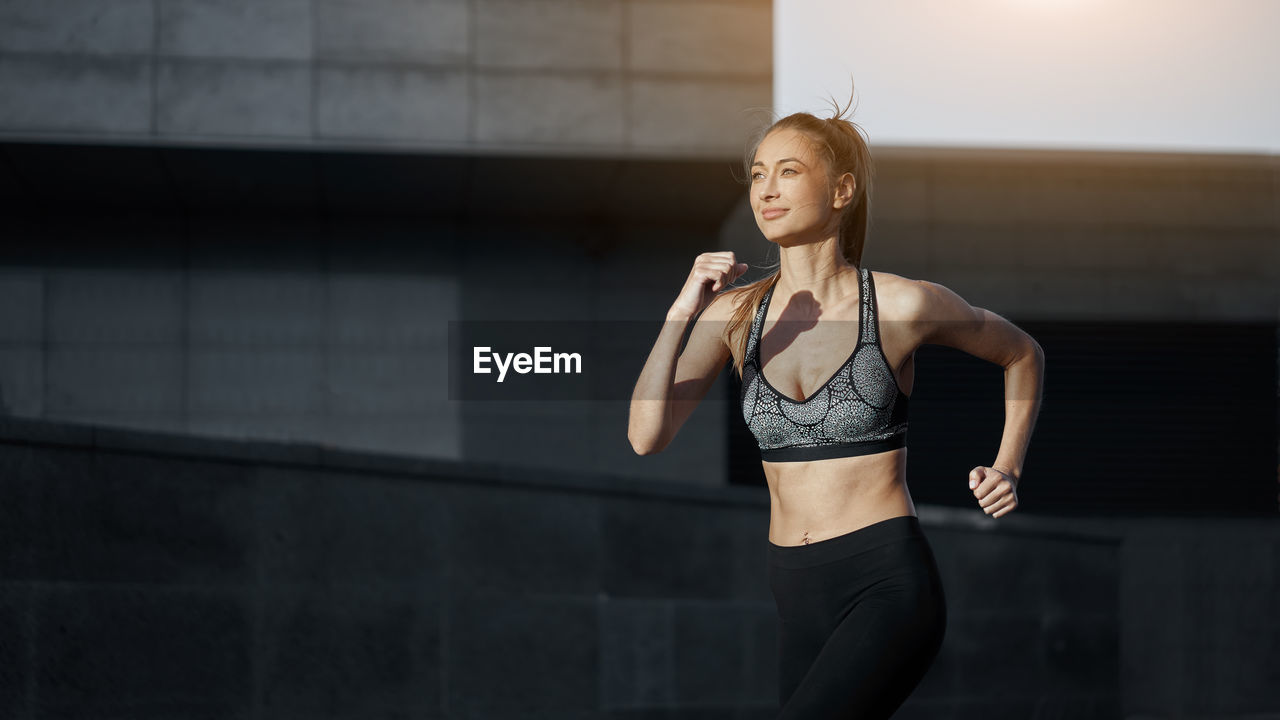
(860, 603)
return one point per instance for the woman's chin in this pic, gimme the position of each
(783, 239)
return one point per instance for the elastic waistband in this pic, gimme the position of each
(834, 450)
(842, 546)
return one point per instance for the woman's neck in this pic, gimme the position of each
(818, 268)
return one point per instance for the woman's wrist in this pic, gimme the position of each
(1015, 473)
(678, 315)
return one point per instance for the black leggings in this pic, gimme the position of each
(861, 618)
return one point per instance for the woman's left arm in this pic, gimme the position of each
(944, 318)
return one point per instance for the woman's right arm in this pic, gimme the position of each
(670, 388)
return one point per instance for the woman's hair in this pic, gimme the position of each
(840, 143)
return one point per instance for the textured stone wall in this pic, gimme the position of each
(151, 576)
(614, 77)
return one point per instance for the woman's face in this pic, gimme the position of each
(790, 196)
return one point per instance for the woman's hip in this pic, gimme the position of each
(890, 559)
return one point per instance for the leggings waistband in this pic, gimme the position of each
(850, 543)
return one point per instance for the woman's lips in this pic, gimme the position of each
(772, 213)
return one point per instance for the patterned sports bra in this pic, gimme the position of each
(860, 410)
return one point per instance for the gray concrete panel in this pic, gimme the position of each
(436, 433)
(262, 29)
(15, 609)
(114, 307)
(1006, 643)
(87, 380)
(544, 648)
(75, 93)
(1205, 254)
(252, 99)
(129, 651)
(256, 309)
(709, 643)
(700, 37)
(538, 435)
(900, 191)
(396, 31)
(392, 103)
(77, 26)
(328, 531)
(750, 558)
(698, 117)
(550, 108)
(1245, 298)
(21, 528)
(353, 652)
(761, 653)
(22, 380)
(391, 311)
(558, 34)
(1082, 651)
(370, 383)
(255, 380)
(502, 256)
(21, 306)
(523, 543)
(665, 550)
(126, 524)
(636, 648)
(363, 245)
(256, 248)
(248, 425)
(1199, 632)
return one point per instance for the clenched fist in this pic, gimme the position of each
(711, 273)
(996, 490)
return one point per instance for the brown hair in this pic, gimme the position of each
(841, 144)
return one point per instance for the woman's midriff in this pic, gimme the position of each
(812, 501)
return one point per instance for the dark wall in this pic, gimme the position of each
(158, 576)
(306, 296)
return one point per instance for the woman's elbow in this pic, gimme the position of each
(645, 431)
(644, 446)
(647, 438)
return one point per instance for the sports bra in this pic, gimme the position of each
(859, 410)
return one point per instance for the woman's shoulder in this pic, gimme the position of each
(892, 283)
(882, 277)
(903, 298)
(899, 297)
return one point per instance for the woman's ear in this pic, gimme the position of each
(845, 186)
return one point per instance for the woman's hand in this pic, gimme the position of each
(711, 273)
(996, 490)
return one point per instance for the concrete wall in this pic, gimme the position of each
(145, 575)
(614, 77)
(301, 297)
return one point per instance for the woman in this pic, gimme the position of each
(861, 607)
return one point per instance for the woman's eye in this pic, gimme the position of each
(755, 176)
